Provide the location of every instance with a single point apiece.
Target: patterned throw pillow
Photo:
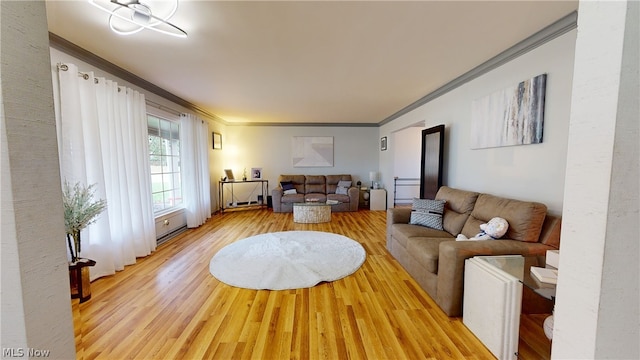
(287, 185)
(427, 213)
(290, 192)
(344, 183)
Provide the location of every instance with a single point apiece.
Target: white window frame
(176, 176)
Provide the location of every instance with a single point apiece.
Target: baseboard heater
(168, 236)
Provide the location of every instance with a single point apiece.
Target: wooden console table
(247, 201)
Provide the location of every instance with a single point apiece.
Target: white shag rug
(287, 260)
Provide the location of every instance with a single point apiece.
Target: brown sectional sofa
(436, 260)
(317, 187)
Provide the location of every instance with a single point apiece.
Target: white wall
(530, 172)
(355, 150)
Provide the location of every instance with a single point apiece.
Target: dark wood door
(432, 161)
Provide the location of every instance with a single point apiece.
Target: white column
(598, 285)
(36, 306)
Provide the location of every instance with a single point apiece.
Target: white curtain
(196, 187)
(102, 139)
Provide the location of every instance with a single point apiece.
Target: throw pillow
(340, 190)
(290, 192)
(425, 212)
(287, 185)
(344, 184)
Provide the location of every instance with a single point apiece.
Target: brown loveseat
(317, 188)
(436, 260)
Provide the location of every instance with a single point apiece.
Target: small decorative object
(383, 143)
(493, 230)
(244, 174)
(256, 173)
(217, 141)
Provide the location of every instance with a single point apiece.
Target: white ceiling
(309, 62)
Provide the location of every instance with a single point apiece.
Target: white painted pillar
(36, 306)
(597, 308)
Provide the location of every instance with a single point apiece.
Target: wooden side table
(79, 279)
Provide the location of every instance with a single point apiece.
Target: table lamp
(373, 176)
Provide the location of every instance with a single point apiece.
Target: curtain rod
(65, 67)
(163, 108)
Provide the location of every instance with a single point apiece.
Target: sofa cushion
(317, 197)
(339, 197)
(426, 250)
(459, 205)
(289, 199)
(525, 218)
(315, 184)
(425, 212)
(402, 232)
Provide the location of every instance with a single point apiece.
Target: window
(164, 156)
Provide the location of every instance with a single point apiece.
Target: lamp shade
(373, 175)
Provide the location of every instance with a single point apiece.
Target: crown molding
(310, 124)
(76, 51)
(558, 28)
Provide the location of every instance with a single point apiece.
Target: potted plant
(80, 211)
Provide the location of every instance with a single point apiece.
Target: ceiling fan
(127, 17)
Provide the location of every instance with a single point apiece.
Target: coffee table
(312, 212)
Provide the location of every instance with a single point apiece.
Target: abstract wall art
(312, 151)
(512, 116)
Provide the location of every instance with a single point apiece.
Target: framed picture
(511, 116)
(229, 174)
(312, 151)
(256, 173)
(383, 143)
(217, 141)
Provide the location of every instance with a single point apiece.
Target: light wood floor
(168, 305)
